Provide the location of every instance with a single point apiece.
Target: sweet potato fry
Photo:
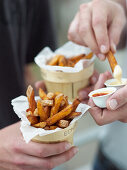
(73, 115)
(112, 60)
(64, 103)
(40, 125)
(63, 123)
(41, 112)
(31, 100)
(33, 119)
(75, 104)
(47, 110)
(35, 112)
(55, 108)
(70, 63)
(42, 94)
(50, 127)
(77, 58)
(89, 56)
(47, 102)
(50, 96)
(62, 61)
(60, 115)
(54, 60)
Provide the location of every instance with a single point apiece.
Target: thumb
(118, 99)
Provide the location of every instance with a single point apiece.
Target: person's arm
(16, 154)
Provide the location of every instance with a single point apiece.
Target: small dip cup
(111, 83)
(100, 96)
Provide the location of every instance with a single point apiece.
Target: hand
(83, 93)
(40, 84)
(15, 154)
(98, 25)
(116, 104)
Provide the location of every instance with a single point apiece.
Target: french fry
(47, 110)
(62, 61)
(36, 112)
(75, 104)
(42, 94)
(64, 103)
(89, 56)
(63, 123)
(77, 58)
(73, 115)
(54, 60)
(112, 60)
(40, 125)
(60, 115)
(41, 112)
(50, 96)
(55, 108)
(33, 119)
(30, 97)
(70, 63)
(50, 127)
(47, 102)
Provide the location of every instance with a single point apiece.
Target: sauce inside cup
(99, 94)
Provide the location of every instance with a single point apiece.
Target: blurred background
(87, 133)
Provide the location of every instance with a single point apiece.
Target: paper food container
(67, 80)
(20, 104)
(60, 136)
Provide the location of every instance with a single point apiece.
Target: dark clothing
(25, 28)
(103, 163)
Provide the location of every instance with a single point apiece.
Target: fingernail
(94, 80)
(113, 104)
(113, 46)
(101, 56)
(83, 94)
(103, 49)
(68, 146)
(76, 150)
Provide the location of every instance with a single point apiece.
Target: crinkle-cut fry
(63, 123)
(60, 115)
(112, 60)
(50, 127)
(40, 125)
(89, 56)
(30, 97)
(41, 112)
(33, 119)
(42, 94)
(77, 58)
(62, 61)
(47, 110)
(73, 115)
(54, 61)
(47, 102)
(50, 96)
(70, 63)
(55, 108)
(75, 104)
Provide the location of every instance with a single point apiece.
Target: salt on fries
(61, 60)
(52, 110)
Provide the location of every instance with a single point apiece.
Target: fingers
(40, 84)
(85, 28)
(64, 157)
(118, 99)
(102, 78)
(42, 150)
(99, 24)
(94, 77)
(73, 32)
(83, 93)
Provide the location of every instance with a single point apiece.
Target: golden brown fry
(33, 119)
(54, 60)
(63, 123)
(40, 125)
(31, 100)
(89, 56)
(62, 61)
(112, 60)
(64, 103)
(75, 104)
(47, 110)
(50, 127)
(73, 115)
(47, 102)
(70, 63)
(50, 96)
(60, 115)
(55, 108)
(35, 112)
(41, 112)
(42, 94)
(77, 58)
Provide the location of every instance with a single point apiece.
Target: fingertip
(75, 150)
(104, 49)
(101, 57)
